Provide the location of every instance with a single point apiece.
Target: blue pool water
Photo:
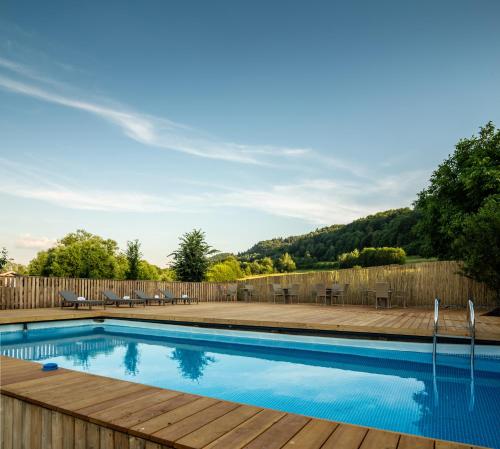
(387, 385)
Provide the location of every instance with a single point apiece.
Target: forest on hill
(392, 228)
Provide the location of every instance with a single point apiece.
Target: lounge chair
(69, 298)
(113, 298)
(167, 294)
(150, 299)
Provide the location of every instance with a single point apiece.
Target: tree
(228, 270)
(479, 244)
(79, 255)
(191, 260)
(392, 228)
(4, 258)
(133, 254)
(459, 209)
(285, 264)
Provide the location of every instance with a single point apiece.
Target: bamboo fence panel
(420, 284)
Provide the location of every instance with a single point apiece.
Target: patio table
(247, 294)
(286, 293)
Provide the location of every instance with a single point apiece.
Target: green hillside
(390, 228)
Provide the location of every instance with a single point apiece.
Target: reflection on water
(400, 395)
(131, 359)
(191, 362)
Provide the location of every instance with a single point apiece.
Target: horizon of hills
(393, 228)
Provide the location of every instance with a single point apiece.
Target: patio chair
(69, 298)
(293, 293)
(232, 292)
(276, 291)
(321, 293)
(339, 291)
(365, 293)
(248, 292)
(150, 299)
(382, 292)
(169, 296)
(221, 292)
(113, 298)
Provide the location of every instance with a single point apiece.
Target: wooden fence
(419, 283)
(32, 292)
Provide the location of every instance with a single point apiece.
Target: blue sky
(248, 119)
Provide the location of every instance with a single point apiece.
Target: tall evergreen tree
(133, 254)
(191, 259)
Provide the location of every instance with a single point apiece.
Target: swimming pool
(388, 385)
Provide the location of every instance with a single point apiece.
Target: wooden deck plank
(123, 401)
(243, 434)
(279, 433)
(346, 436)
(133, 419)
(450, 445)
(312, 435)
(123, 406)
(174, 415)
(192, 423)
(414, 442)
(379, 439)
(213, 430)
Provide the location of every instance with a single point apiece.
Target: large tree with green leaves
(459, 211)
(79, 254)
(191, 259)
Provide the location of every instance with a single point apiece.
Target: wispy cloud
(146, 129)
(28, 241)
(317, 201)
(29, 182)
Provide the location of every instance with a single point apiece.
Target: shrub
(285, 264)
(348, 260)
(228, 270)
(371, 257)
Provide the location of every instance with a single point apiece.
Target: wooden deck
(351, 319)
(174, 419)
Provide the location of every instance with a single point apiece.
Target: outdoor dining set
(382, 295)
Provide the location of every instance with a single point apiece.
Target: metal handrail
(472, 331)
(434, 348)
(472, 328)
(436, 326)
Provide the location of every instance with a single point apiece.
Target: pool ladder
(471, 322)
